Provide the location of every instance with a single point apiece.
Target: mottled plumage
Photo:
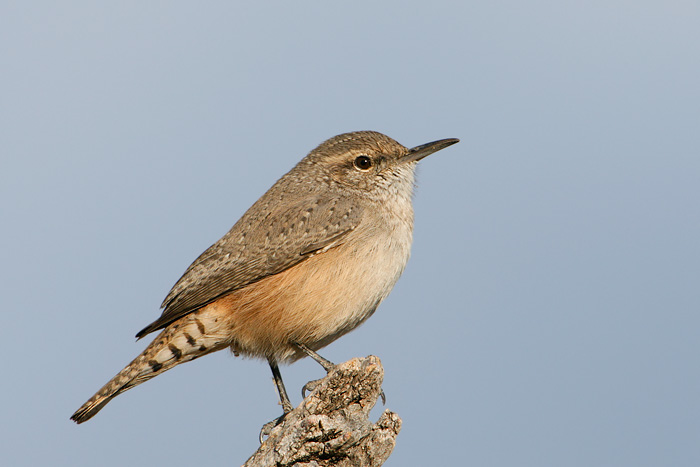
(308, 262)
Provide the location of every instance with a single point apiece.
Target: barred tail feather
(180, 342)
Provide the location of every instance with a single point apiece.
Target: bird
(308, 262)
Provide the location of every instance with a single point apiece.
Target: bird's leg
(284, 400)
(327, 365)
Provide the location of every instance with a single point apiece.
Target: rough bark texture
(331, 426)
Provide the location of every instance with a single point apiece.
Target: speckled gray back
(310, 209)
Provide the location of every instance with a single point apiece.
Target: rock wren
(309, 262)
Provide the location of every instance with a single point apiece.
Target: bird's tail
(180, 342)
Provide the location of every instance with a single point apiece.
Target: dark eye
(362, 163)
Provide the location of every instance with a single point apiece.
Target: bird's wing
(256, 248)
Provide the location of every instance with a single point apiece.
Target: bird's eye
(362, 163)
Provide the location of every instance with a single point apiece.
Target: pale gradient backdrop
(550, 313)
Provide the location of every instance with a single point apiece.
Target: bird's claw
(310, 386)
(269, 426)
(383, 396)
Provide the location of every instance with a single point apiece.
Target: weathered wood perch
(331, 427)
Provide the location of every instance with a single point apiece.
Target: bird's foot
(269, 426)
(310, 386)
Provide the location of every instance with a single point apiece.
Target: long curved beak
(419, 152)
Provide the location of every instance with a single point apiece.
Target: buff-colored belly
(312, 303)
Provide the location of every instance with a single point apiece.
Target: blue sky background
(550, 313)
